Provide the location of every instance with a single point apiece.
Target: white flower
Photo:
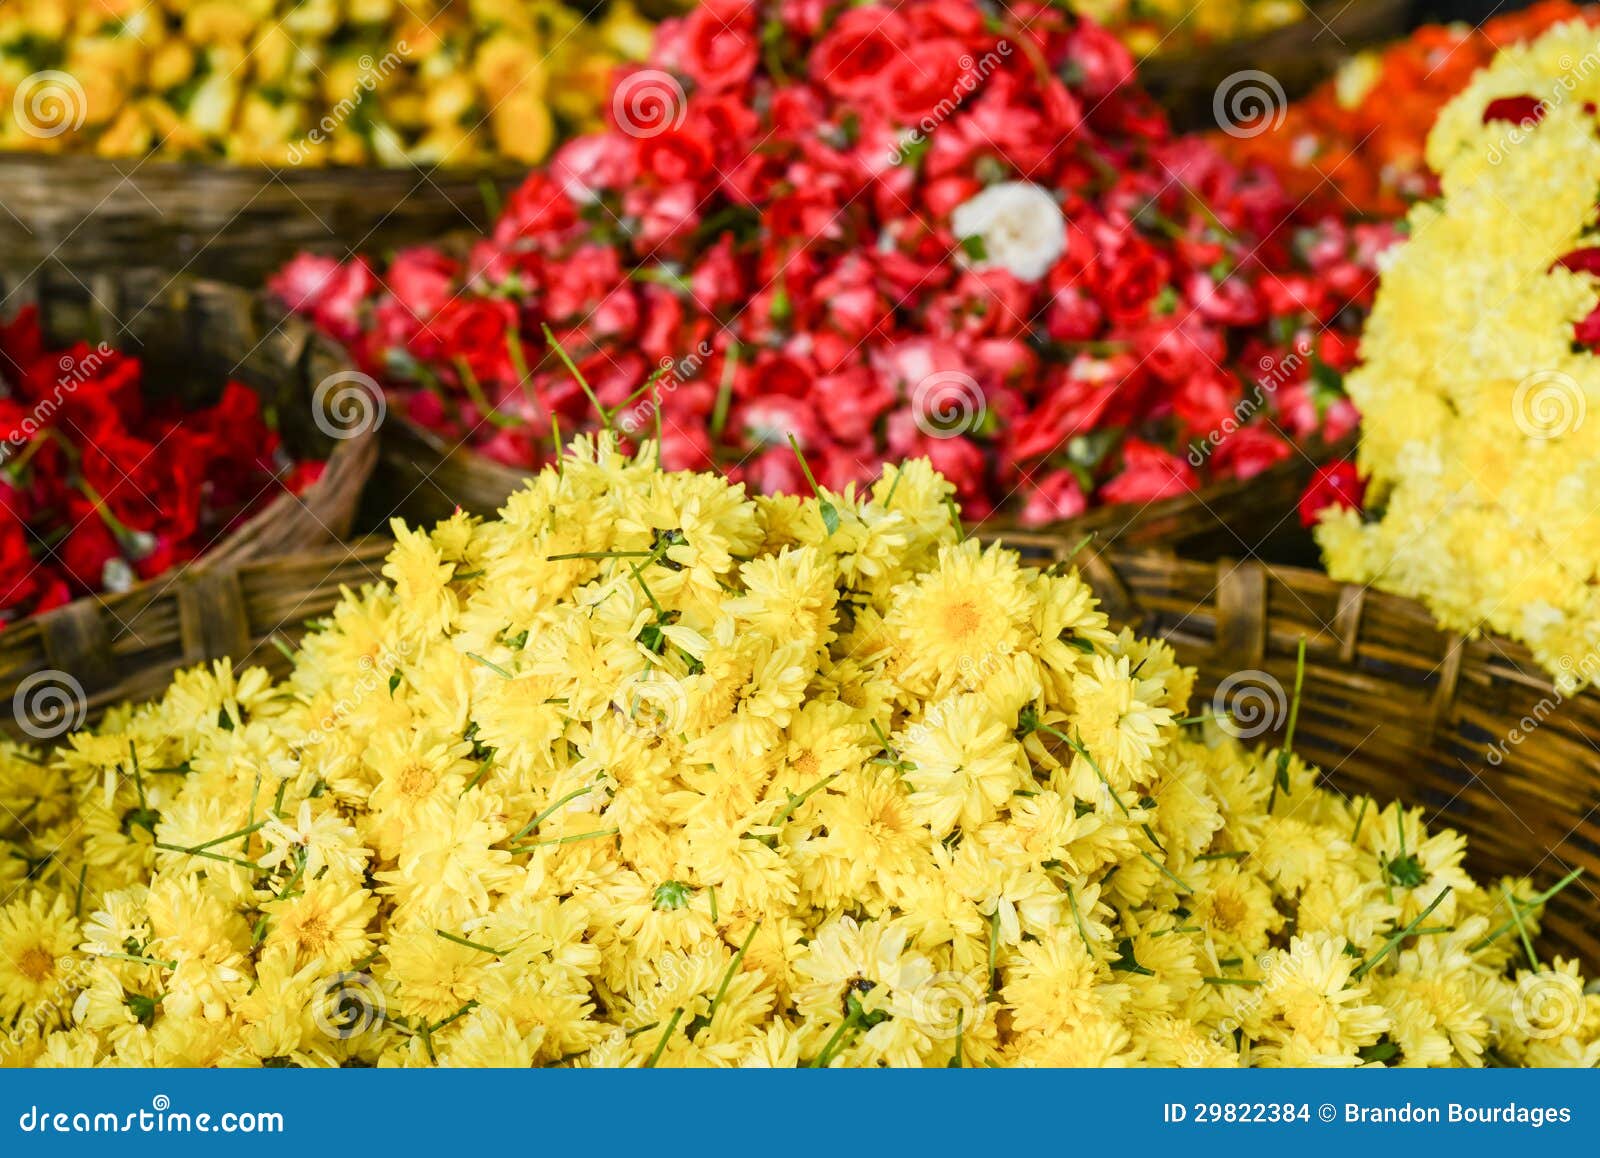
(1020, 225)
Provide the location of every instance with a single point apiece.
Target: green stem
(1388, 946)
(666, 1036)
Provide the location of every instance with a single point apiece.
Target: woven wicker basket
(1391, 705)
(193, 337)
(193, 615)
(226, 221)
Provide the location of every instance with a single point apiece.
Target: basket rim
(13, 160)
(1308, 456)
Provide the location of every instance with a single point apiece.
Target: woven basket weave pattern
(192, 337)
(1391, 705)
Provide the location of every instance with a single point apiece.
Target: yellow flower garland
(308, 82)
(1479, 428)
(649, 772)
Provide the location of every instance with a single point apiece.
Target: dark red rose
(149, 487)
(1131, 281)
(471, 331)
(1522, 110)
(88, 546)
(1338, 484)
(19, 581)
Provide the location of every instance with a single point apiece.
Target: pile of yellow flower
(307, 82)
(650, 772)
(1158, 27)
(1477, 432)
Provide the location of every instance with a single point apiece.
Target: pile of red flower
(101, 485)
(934, 229)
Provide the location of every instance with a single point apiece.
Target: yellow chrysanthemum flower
(647, 772)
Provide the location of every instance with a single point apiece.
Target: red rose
(674, 155)
(53, 592)
(540, 205)
(1246, 453)
(1099, 64)
(303, 281)
(1526, 111)
(1130, 281)
(1074, 315)
(1052, 498)
(854, 58)
(1072, 405)
(1148, 474)
(19, 580)
(473, 331)
(422, 279)
(851, 402)
(330, 292)
(926, 79)
(303, 476)
(1336, 485)
(148, 487)
(89, 545)
(21, 339)
(719, 46)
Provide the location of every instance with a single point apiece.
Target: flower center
(36, 963)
